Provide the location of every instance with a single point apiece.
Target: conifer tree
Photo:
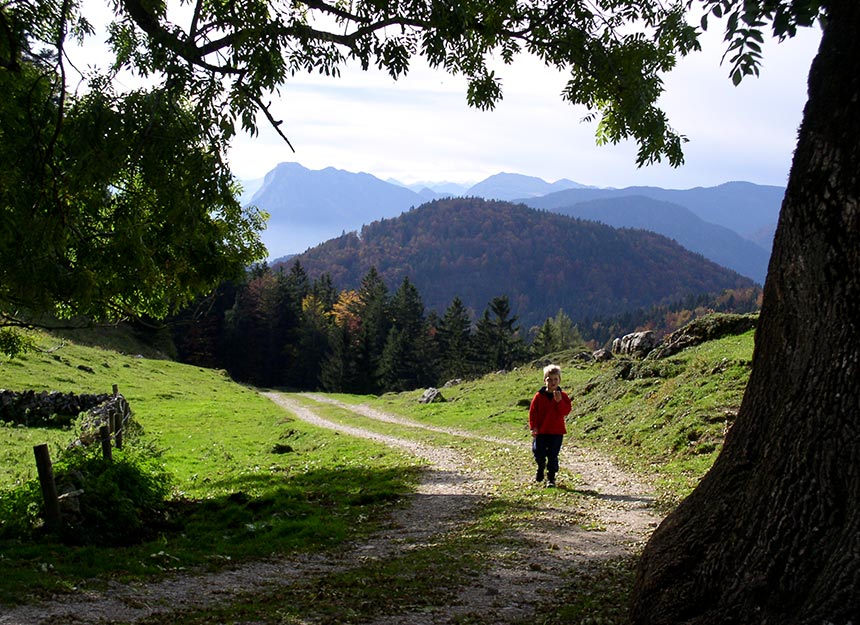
(312, 344)
(323, 290)
(337, 372)
(251, 354)
(566, 332)
(498, 340)
(546, 341)
(403, 365)
(373, 303)
(291, 288)
(457, 353)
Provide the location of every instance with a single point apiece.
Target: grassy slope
(664, 419)
(238, 498)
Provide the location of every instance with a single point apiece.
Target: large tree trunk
(772, 533)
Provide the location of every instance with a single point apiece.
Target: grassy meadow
(219, 441)
(664, 419)
(250, 481)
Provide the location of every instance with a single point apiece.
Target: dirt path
(449, 491)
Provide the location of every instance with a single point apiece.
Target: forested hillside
(543, 262)
(717, 243)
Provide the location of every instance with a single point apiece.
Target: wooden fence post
(116, 418)
(104, 434)
(118, 433)
(49, 487)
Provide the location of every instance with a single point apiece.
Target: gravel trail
(448, 494)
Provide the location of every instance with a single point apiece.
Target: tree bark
(772, 533)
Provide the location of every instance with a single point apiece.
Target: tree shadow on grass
(305, 509)
(257, 516)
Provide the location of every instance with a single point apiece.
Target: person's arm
(534, 417)
(565, 405)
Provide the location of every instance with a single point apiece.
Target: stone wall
(45, 408)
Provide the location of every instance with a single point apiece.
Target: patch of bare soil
(511, 588)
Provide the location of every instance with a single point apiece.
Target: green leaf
(737, 77)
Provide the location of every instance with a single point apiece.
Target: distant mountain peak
(508, 186)
(308, 207)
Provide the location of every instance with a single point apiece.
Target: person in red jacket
(549, 407)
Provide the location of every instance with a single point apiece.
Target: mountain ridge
(510, 186)
(308, 207)
(717, 243)
(478, 249)
(741, 206)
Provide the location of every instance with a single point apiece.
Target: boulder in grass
(430, 396)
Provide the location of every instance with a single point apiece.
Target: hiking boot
(550, 484)
(551, 480)
(539, 475)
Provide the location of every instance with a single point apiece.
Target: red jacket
(547, 415)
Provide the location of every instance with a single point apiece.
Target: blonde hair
(550, 369)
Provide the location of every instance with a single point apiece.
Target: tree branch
(327, 8)
(275, 123)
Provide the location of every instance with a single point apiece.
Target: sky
(420, 127)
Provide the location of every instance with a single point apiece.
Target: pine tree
(337, 373)
(291, 288)
(312, 344)
(403, 359)
(324, 291)
(497, 336)
(457, 354)
(546, 340)
(566, 333)
(373, 331)
(250, 353)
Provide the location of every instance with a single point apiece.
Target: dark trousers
(545, 448)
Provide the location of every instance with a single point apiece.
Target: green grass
(232, 493)
(665, 419)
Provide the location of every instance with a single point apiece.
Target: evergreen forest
(280, 328)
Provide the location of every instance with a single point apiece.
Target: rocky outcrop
(707, 328)
(431, 395)
(635, 343)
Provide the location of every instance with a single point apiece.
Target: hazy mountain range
(750, 210)
(731, 224)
